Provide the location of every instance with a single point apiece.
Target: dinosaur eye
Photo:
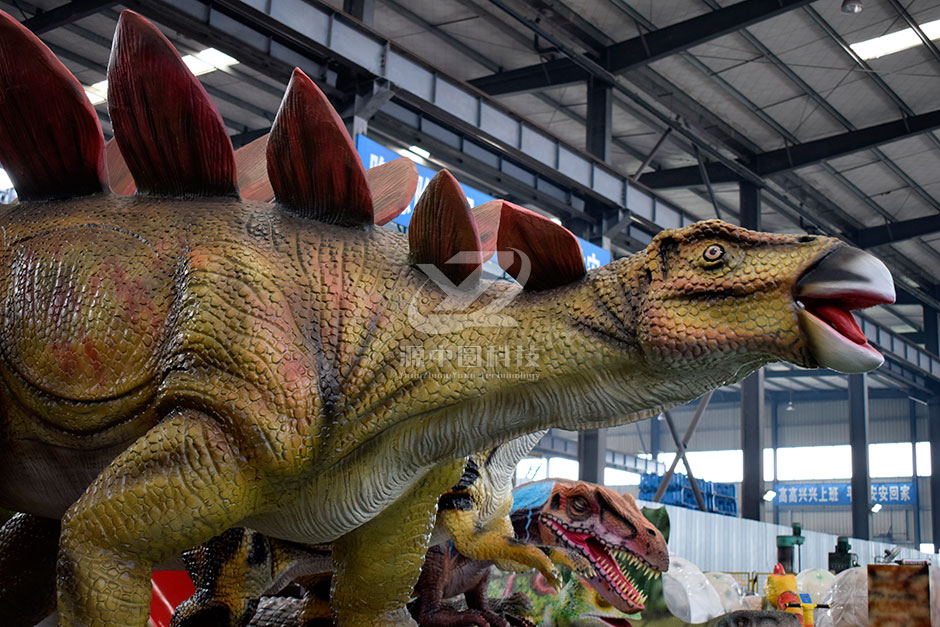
(713, 253)
(579, 507)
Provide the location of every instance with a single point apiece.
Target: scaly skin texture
(232, 571)
(222, 362)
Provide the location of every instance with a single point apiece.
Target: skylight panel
(895, 42)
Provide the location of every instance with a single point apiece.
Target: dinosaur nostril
(806, 239)
(651, 531)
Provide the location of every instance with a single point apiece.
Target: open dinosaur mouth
(616, 569)
(843, 281)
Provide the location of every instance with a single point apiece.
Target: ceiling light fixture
(895, 42)
(421, 152)
(876, 508)
(770, 495)
(852, 6)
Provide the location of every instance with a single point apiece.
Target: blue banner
(373, 154)
(817, 494)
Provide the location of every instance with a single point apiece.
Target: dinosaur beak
(844, 280)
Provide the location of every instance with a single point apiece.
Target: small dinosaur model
(188, 359)
(600, 534)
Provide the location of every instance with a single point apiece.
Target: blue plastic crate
(650, 481)
(724, 489)
(725, 505)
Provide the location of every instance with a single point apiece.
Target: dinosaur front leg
(377, 564)
(177, 486)
(28, 547)
(495, 540)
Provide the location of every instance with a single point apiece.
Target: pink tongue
(842, 321)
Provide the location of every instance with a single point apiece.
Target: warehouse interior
(620, 118)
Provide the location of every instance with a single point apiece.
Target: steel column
(599, 108)
(858, 438)
(592, 446)
(912, 412)
(752, 391)
(752, 424)
(362, 10)
(750, 195)
(775, 445)
(931, 329)
(655, 437)
(933, 419)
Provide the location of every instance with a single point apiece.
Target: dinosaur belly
(84, 310)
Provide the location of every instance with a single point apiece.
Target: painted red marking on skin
(65, 357)
(94, 358)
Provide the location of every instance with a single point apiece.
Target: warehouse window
(723, 466)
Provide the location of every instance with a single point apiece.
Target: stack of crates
(719, 497)
(723, 499)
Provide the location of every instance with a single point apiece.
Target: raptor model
(186, 360)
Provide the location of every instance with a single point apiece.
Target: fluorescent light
(876, 508)
(216, 58)
(421, 152)
(197, 66)
(770, 495)
(895, 42)
(5, 182)
(97, 93)
(203, 62)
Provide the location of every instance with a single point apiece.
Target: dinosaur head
(623, 548)
(715, 293)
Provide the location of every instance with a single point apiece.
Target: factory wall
(812, 422)
(714, 542)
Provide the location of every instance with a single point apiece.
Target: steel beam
(641, 50)
(65, 14)
(800, 155)
(699, 410)
(933, 419)
(592, 446)
(858, 438)
(896, 231)
(680, 454)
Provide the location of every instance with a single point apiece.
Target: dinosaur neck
(567, 358)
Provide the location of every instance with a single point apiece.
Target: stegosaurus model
(185, 360)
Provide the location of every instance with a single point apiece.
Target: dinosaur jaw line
(844, 280)
(609, 579)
